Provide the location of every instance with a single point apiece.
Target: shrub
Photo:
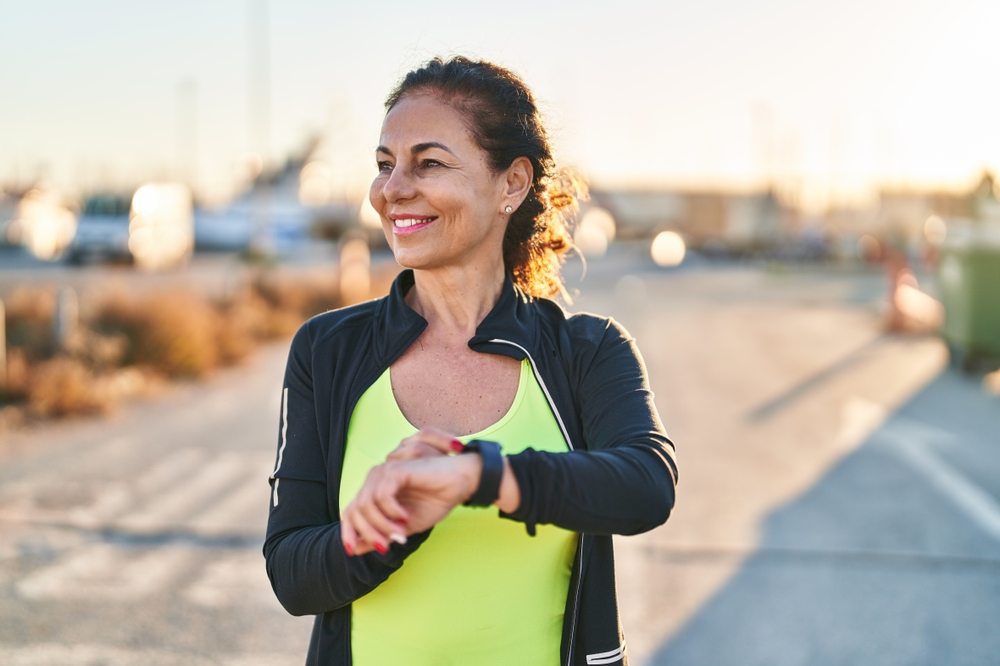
(29, 313)
(174, 332)
(62, 386)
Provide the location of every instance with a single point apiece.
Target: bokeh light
(602, 219)
(594, 232)
(869, 248)
(935, 230)
(668, 249)
(161, 229)
(43, 225)
(590, 241)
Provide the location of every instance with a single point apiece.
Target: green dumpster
(969, 277)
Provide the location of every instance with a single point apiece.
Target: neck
(454, 300)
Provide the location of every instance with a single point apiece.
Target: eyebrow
(419, 148)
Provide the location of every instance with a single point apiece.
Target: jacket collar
(512, 320)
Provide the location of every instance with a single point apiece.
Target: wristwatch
(489, 481)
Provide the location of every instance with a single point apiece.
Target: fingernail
(402, 521)
(399, 538)
(348, 550)
(381, 549)
(457, 446)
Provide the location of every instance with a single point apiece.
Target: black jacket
(617, 478)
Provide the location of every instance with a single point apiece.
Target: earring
(508, 209)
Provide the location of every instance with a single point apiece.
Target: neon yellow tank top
(479, 590)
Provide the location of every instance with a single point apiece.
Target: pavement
(137, 540)
(839, 497)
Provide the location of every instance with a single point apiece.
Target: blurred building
(712, 220)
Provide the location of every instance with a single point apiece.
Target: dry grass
(173, 332)
(129, 341)
(63, 386)
(29, 313)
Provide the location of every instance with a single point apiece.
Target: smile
(411, 223)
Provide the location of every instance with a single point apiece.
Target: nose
(399, 186)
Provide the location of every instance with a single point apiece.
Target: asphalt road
(839, 498)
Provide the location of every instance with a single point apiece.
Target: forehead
(424, 118)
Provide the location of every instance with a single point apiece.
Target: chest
(453, 388)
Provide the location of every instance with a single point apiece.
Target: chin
(416, 259)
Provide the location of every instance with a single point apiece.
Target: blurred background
(793, 209)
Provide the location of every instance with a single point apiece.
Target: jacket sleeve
(623, 483)
(306, 563)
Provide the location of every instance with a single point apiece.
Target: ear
(518, 179)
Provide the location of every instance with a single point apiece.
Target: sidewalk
(892, 557)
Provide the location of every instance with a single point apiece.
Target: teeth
(410, 222)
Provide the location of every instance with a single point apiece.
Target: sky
(830, 100)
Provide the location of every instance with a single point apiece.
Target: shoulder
(581, 328)
(335, 325)
(584, 336)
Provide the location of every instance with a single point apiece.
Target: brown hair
(505, 122)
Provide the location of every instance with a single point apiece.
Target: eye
(384, 167)
(430, 163)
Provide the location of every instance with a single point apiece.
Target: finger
(348, 536)
(366, 531)
(363, 548)
(388, 526)
(397, 515)
(352, 542)
(411, 449)
(440, 440)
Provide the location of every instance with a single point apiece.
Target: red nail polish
(348, 550)
(457, 446)
(381, 549)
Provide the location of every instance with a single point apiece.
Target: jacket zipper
(569, 443)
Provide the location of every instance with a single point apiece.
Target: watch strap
(489, 481)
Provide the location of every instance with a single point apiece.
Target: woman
(376, 525)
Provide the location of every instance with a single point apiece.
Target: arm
(306, 563)
(626, 486)
(624, 483)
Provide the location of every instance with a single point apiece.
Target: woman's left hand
(427, 442)
(406, 496)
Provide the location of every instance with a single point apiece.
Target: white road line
(189, 497)
(53, 654)
(168, 469)
(910, 443)
(242, 510)
(113, 499)
(104, 571)
(233, 579)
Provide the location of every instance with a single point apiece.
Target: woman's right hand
(368, 524)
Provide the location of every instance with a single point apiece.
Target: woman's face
(439, 200)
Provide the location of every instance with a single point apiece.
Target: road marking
(105, 571)
(170, 510)
(233, 579)
(908, 440)
(169, 469)
(53, 654)
(242, 510)
(113, 499)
